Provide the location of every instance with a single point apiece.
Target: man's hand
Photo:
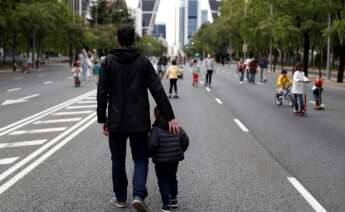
(105, 129)
(174, 127)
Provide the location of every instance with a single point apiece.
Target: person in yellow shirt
(283, 83)
(172, 74)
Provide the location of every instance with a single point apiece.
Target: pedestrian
(253, 66)
(84, 64)
(317, 92)
(77, 72)
(122, 93)
(209, 66)
(246, 64)
(241, 69)
(298, 90)
(166, 150)
(196, 72)
(90, 63)
(95, 71)
(172, 74)
(263, 63)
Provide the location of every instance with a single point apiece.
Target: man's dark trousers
(167, 181)
(138, 144)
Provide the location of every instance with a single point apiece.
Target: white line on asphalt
(70, 77)
(48, 82)
(219, 101)
(87, 102)
(18, 78)
(202, 82)
(208, 89)
(260, 83)
(76, 129)
(239, 123)
(28, 120)
(54, 121)
(72, 113)
(23, 143)
(91, 98)
(306, 195)
(81, 107)
(14, 89)
(6, 161)
(47, 130)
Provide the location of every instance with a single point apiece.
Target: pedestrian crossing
(40, 134)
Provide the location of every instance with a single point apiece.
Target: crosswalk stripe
(81, 107)
(72, 113)
(54, 121)
(90, 98)
(23, 143)
(21, 132)
(87, 102)
(6, 161)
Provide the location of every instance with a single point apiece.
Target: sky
(166, 14)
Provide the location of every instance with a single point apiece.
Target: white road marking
(21, 100)
(208, 89)
(75, 130)
(14, 89)
(23, 143)
(306, 195)
(36, 131)
(30, 119)
(18, 78)
(202, 82)
(54, 121)
(72, 113)
(239, 123)
(48, 82)
(260, 83)
(91, 98)
(87, 102)
(6, 161)
(81, 107)
(219, 101)
(70, 77)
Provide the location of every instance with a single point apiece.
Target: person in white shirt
(298, 89)
(209, 66)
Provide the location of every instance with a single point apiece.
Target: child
(95, 71)
(196, 72)
(77, 73)
(317, 89)
(166, 150)
(172, 74)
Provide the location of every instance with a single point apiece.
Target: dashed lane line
(48, 82)
(208, 89)
(241, 125)
(23, 143)
(72, 113)
(219, 101)
(14, 89)
(75, 130)
(37, 131)
(6, 161)
(55, 121)
(81, 107)
(306, 195)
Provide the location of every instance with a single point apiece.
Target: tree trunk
(274, 62)
(14, 44)
(70, 55)
(306, 53)
(340, 76)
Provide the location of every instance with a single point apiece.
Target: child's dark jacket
(165, 147)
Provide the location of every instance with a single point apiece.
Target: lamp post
(271, 41)
(329, 47)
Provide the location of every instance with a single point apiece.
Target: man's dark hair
(173, 62)
(126, 35)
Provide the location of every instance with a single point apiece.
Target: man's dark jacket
(124, 81)
(165, 147)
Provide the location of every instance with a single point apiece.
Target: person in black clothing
(124, 81)
(166, 150)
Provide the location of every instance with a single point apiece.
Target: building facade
(214, 6)
(160, 31)
(81, 8)
(149, 10)
(204, 16)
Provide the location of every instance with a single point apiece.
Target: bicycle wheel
(278, 100)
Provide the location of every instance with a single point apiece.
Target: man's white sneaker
(119, 204)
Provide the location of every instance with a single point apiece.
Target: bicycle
(284, 96)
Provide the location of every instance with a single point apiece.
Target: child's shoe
(166, 208)
(173, 204)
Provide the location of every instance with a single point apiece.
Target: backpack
(253, 64)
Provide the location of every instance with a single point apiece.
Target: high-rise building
(181, 22)
(160, 30)
(149, 10)
(81, 8)
(204, 16)
(214, 5)
(192, 18)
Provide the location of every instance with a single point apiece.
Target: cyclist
(283, 84)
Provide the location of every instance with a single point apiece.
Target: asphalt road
(246, 154)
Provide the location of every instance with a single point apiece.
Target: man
(263, 69)
(124, 80)
(209, 66)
